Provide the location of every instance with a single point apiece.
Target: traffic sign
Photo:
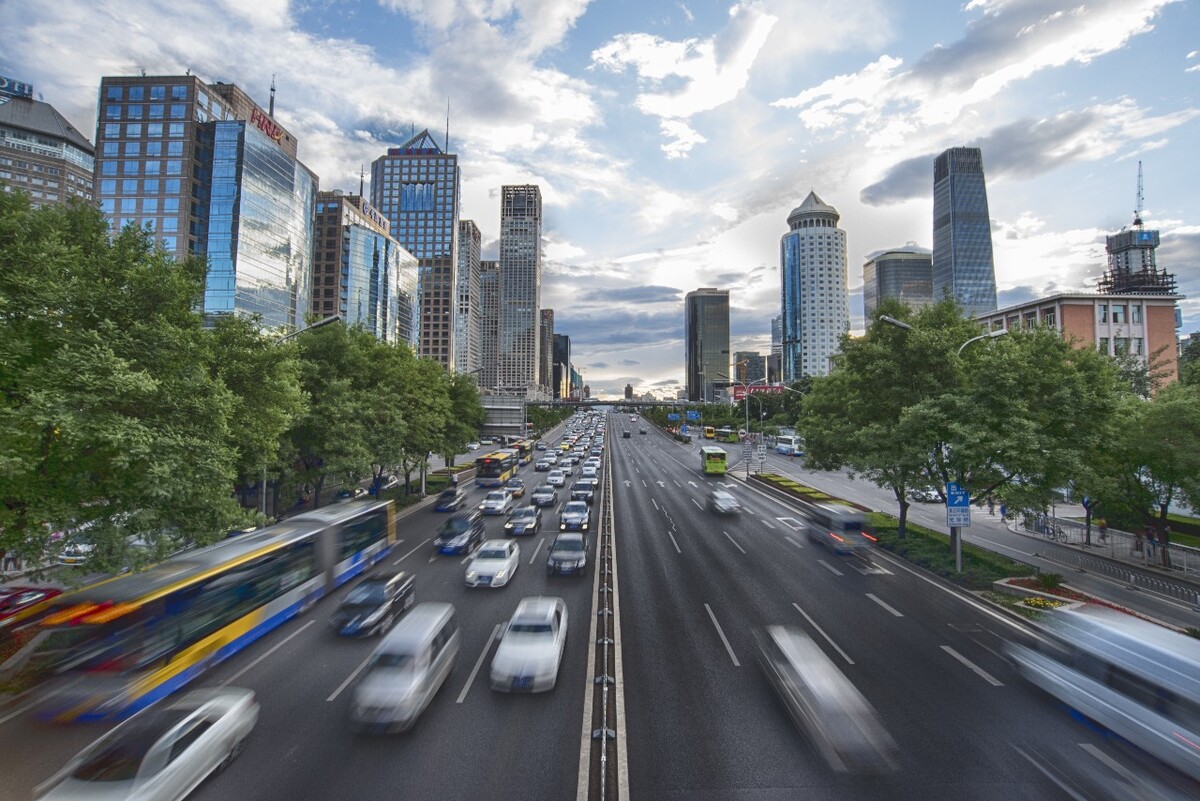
(958, 506)
(673, 416)
(683, 429)
(692, 414)
(957, 495)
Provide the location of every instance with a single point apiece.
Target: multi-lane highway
(701, 721)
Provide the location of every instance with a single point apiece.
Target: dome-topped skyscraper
(812, 270)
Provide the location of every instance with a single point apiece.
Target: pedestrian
(454, 479)
(1003, 512)
(10, 562)
(991, 505)
(1151, 542)
(1103, 530)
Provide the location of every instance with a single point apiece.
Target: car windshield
(544, 489)
(493, 553)
(530, 628)
(369, 593)
(495, 496)
(449, 494)
(393, 661)
(577, 507)
(455, 525)
(524, 512)
(572, 545)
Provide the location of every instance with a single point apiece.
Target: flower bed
(1039, 595)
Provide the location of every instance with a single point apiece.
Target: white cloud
(682, 138)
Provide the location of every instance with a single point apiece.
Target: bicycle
(1056, 534)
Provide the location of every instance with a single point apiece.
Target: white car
(163, 752)
(588, 471)
(494, 563)
(531, 646)
(472, 446)
(496, 502)
(556, 478)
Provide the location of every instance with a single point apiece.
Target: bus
(106, 651)
(709, 432)
(524, 449)
(842, 529)
(789, 445)
(496, 467)
(712, 460)
(1138, 679)
(726, 435)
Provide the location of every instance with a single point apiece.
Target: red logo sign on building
(266, 124)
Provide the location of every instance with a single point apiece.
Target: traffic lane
(456, 746)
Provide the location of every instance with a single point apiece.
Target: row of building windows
(1118, 313)
(139, 92)
(136, 130)
(149, 167)
(155, 111)
(150, 186)
(113, 149)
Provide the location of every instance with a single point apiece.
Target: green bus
(712, 460)
(726, 435)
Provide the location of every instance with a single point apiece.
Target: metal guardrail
(604, 772)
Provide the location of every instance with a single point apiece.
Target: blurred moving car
(163, 752)
(373, 605)
(575, 516)
(496, 502)
(641, 430)
(450, 499)
(531, 646)
(14, 599)
(541, 465)
(544, 495)
(541, 446)
(625, 434)
(494, 564)
(924, 496)
(556, 478)
(350, 494)
(568, 554)
(472, 446)
(460, 533)
(515, 487)
(823, 703)
(588, 471)
(842, 529)
(524, 520)
(723, 502)
(407, 669)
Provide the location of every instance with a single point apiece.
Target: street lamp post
(746, 399)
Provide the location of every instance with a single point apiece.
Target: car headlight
(471, 575)
(562, 525)
(508, 524)
(500, 575)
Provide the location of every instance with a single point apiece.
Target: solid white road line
(487, 647)
(795, 542)
(410, 553)
(821, 631)
(274, 648)
(731, 539)
(829, 567)
(698, 506)
(673, 542)
(677, 483)
(350, 678)
(884, 605)
(654, 502)
(1110, 763)
(749, 511)
(728, 647)
(767, 523)
(536, 548)
(980, 671)
(644, 484)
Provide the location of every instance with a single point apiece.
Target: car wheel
(232, 755)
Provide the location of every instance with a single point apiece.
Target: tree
(467, 415)
(109, 418)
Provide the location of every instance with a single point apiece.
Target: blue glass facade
(962, 234)
(813, 299)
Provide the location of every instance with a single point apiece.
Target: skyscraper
(903, 273)
(215, 176)
(546, 352)
(489, 324)
(40, 152)
(467, 320)
(360, 273)
(416, 186)
(749, 366)
(815, 308)
(562, 366)
(520, 287)
(706, 341)
(962, 232)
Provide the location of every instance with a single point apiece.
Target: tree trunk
(1087, 525)
(317, 491)
(1164, 535)
(902, 499)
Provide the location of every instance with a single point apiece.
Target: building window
(1120, 345)
(179, 93)
(158, 93)
(1135, 312)
(113, 93)
(137, 93)
(1102, 346)
(1136, 345)
(1104, 312)
(1118, 313)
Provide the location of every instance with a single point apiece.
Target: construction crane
(1137, 212)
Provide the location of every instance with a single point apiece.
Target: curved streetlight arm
(999, 332)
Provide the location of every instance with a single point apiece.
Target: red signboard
(739, 391)
(266, 124)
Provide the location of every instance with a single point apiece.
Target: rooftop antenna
(360, 179)
(1137, 211)
(271, 110)
(447, 124)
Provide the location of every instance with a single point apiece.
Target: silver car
(531, 647)
(496, 502)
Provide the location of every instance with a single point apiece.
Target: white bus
(789, 445)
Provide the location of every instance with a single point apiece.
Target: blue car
(460, 534)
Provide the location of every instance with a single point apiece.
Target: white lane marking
(350, 678)
(829, 567)
(821, 631)
(536, 548)
(731, 539)
(673, 542)
(638, 469)
(978, 670)
(750, 511)
(791, 522)
(767, 523)
(20, 711)
(410, 553)
(655, 503)
(884, 605)
(273, 649)
(644, 484)
(487, 647)
(795, 542)
(677, 483)
(728, 647)
(698, 506)
(1110, 763)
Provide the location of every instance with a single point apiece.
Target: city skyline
(670, 139)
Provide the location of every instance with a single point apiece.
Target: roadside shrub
(1050, 581)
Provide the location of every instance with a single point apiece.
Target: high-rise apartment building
(815, 307)
(360, 272)
(520, 287)
(416, 186)
(706, 342)
(546, 352)
(467, 315)
(749, 366)
(962, 232)
(489, 324)
(41, 153)
(562, 366)
(903, 273)
(214, 176)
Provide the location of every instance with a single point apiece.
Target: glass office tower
(814, 301)
(706, 338)
(962, 232)
(903, 273)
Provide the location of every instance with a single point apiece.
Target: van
(407, 669)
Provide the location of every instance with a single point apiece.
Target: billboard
(15, 88)
(739, 391)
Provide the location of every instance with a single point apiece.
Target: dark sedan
(568, 555)
(450, 500)
(525, 520)
(373, 605)
(544, 495)
(461, 533)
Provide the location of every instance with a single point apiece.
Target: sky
(671, 138)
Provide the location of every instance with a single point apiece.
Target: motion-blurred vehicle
(575, 516)
(531, 646)
(407, 669)
(494, 564)
(924, 496)
(473, 446)
(541, 446)
(14, 598)
(839, 528)
(723, 502)
(568, 555)
(641, 431)
(1138, 679)
(460, 533)
(823, 703)
(544, 495)
(515, 487)
(350, 494)
(524, 520)
(496, 502)
(373, 605)
(163, 752)
(450, 499)
(556, 478)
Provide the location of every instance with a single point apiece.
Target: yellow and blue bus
(712, 460)
(118, 646)
(709, 432)
(495, 468)
(524, 450)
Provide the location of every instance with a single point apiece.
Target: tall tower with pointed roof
(812, 269)
(416, 186)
